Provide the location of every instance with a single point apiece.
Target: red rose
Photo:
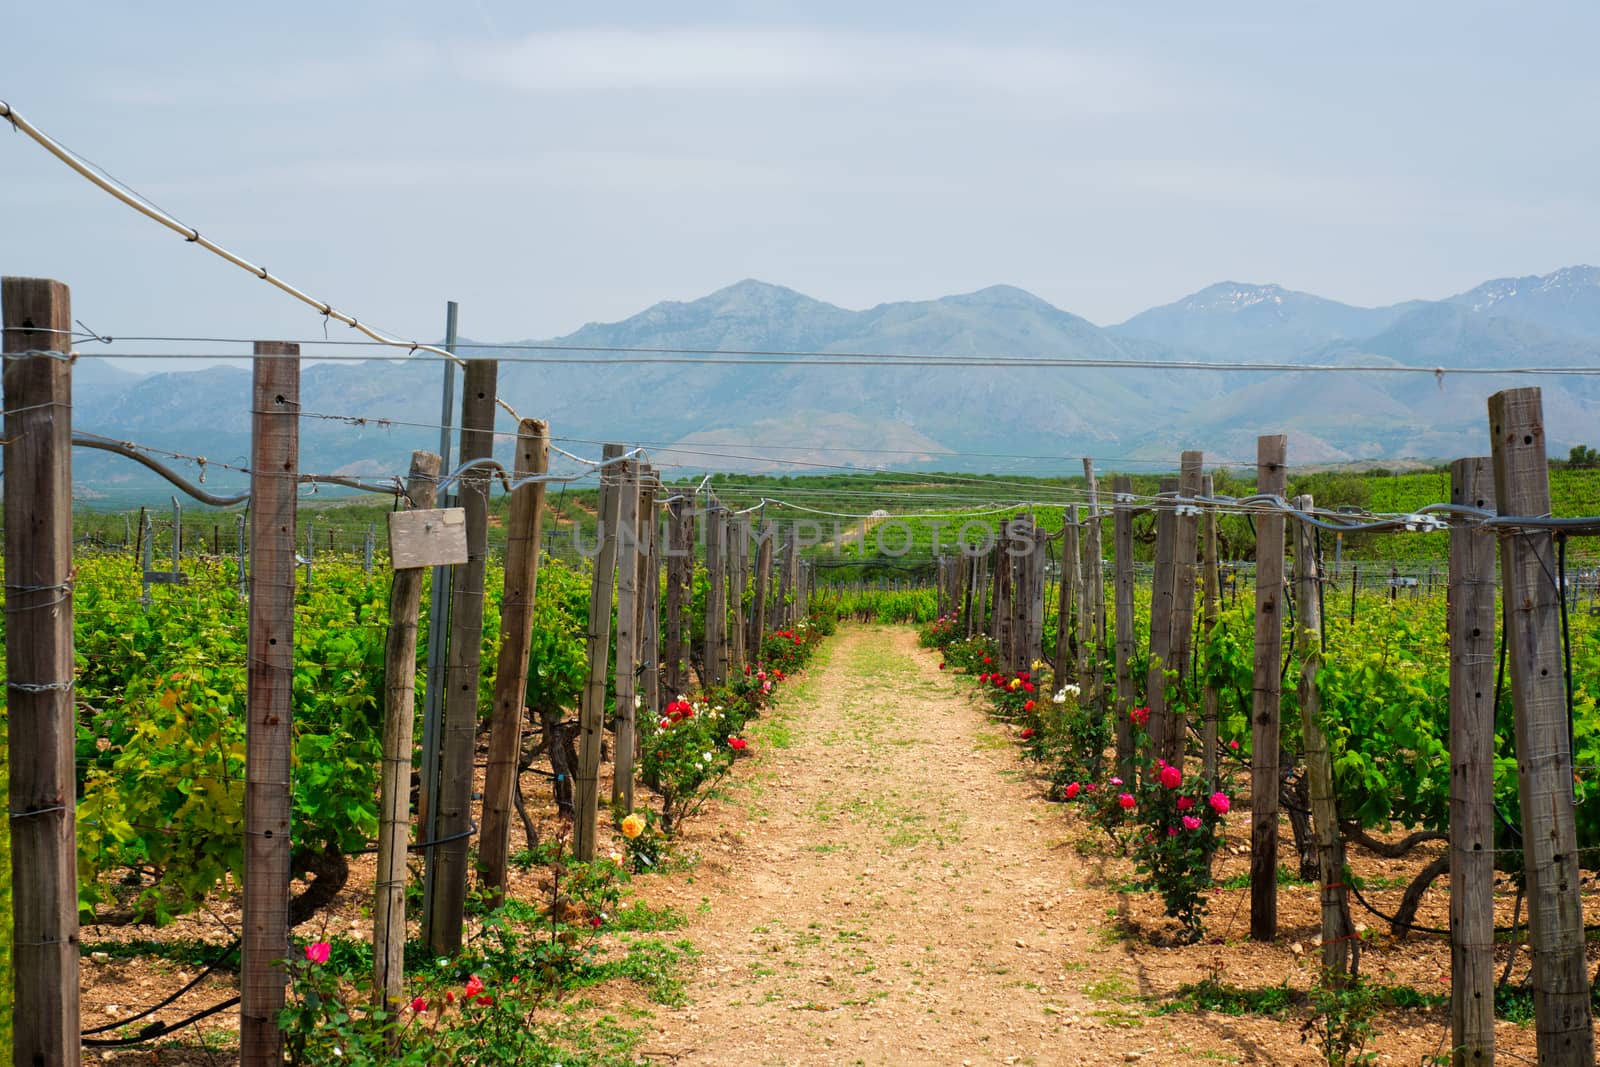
(1028, 707)
(1072, 790)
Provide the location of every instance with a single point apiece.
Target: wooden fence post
(1186, 538)
(269, 704)
(1341, 952)
(649, 594)
(524, 531)
(1212, 595)
(791, 575)
(592, 715)
(1544, 754)
(1065, 598)
(760, 616)
(716, 628)
(738, 573)
(680, 572)
(1162, 602)
(445, 914)
(39, 671)
(622, 726)
(1271, 476)
(1122, 587)
(1094, 591)
(786, 590)
(394, 788)
(1472, 670)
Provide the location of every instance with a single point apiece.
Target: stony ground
(885, 883)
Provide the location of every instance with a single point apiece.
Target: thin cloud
(728, 58)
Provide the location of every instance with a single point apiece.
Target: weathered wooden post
(622, 727)
(716, 628)
(445, 912)
(1212, 595)
(1094, 590)
(1186, 535)
(592, 715)
(1162, 599)
(269, 705)
(39, 671)
(680, 569)
(1065, 599)
(762, 614)
(1544, 755)
(524, 530)
(649, 594)
(1271, 476)
(738, 573)
(793, 611)
(1341, 952)
(1122, 587)
(399, 719)
(1472, 670)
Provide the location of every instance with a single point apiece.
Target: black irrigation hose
(1414, 927)
(213, 965)
(155, 1030)
(421, 845)
(1499, 688)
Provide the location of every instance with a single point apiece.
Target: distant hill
(366, 417)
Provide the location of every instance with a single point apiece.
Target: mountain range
(786, 418)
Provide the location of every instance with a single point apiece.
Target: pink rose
(1171, 777)
(1126, 800)
(1219, 803)
(1185, 803)
(318, 952)
(1190, 822)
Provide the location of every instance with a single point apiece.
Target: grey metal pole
(438, 634)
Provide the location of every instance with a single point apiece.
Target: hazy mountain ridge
(845, 411)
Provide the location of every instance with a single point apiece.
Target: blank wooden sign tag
(433, 537)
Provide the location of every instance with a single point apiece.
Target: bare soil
(885, 883)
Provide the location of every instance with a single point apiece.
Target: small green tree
(1582, 457)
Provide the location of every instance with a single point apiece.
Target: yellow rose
(632, 826)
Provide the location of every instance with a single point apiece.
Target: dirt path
(889, 887)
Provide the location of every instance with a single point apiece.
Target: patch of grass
(187, 951)
(653, 965)
(641, 917)
(777, 733)
(1285, 877)
(1110, 988)
(1209, 994)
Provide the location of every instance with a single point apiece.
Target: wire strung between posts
(148, 208)
(626, 356)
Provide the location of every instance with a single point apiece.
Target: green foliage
(1343, 1020)
(1177, 830)
(558, 661)
(487, 1004)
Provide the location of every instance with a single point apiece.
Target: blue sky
(548, 165)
